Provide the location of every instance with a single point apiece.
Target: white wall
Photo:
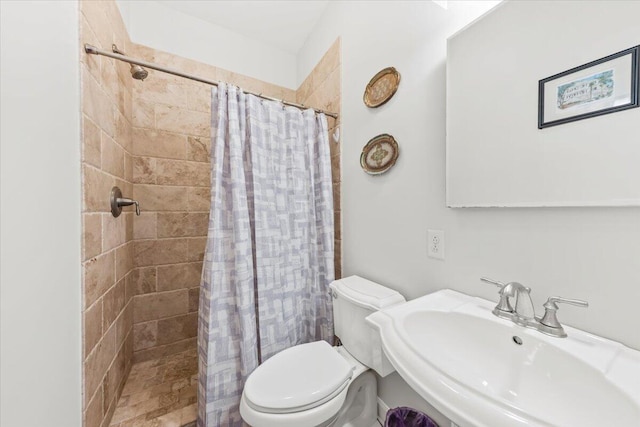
(40, 348)
(574, 164)
(586, 253)
(152, 24)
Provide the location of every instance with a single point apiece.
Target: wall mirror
(496, 154)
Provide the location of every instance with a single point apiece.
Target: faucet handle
(550, 318)
(551, 302)
(493, 282)
(503, 285)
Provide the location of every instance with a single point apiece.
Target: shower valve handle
(128, 202)
(117, 202)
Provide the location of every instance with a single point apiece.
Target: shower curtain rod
(90, 49)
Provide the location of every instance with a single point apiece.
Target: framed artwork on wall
(603, 86)
(496, 154)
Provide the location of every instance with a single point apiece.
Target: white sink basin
(462, 359)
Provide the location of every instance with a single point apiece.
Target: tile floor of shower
(160, 393)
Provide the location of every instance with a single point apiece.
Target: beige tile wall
(322, 89)
(107, 241)
(171, 176)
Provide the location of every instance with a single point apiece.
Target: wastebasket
(408, 417)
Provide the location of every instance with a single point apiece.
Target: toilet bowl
(317, 385)
(309, 385)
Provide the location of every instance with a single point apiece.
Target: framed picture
(603, 86)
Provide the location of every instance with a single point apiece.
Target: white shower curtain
(269, 256)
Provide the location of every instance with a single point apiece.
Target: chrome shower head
(138, 73)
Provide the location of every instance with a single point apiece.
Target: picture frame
(606, 85)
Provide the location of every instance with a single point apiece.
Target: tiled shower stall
(141, 274)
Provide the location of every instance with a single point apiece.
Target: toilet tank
(354, 298)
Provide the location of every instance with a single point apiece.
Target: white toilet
(316, 385)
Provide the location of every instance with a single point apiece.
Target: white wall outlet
(435, 240)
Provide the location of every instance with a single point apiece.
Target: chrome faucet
(524, 313)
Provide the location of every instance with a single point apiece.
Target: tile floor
(160, 393)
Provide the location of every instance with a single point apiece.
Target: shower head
(138, 73)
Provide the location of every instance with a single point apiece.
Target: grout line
(168, 317)
(115, 356)
(89, 308)
(86, 117)
(174, 185)
(106, 252)
(102, 133)
(85, 405)
(165, 265)
(171, 159)
(104, 172)
(169, 131)
(172, 238)
(100, 88)
(177, 212)
(163, 345)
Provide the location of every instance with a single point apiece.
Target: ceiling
(282, 24)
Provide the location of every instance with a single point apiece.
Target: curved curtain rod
(90, 49)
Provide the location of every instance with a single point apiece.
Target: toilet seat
(324, 411)
(298, 379)
(322, 415)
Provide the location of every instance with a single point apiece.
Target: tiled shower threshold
(160, 393)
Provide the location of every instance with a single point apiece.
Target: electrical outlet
(435, 240)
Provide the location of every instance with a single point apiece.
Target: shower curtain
(269, 255)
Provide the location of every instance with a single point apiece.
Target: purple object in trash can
(408, 417)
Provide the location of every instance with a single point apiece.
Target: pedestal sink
(482, 371)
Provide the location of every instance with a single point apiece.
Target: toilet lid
(298, 378)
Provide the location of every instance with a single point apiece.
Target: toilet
(317, 385)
